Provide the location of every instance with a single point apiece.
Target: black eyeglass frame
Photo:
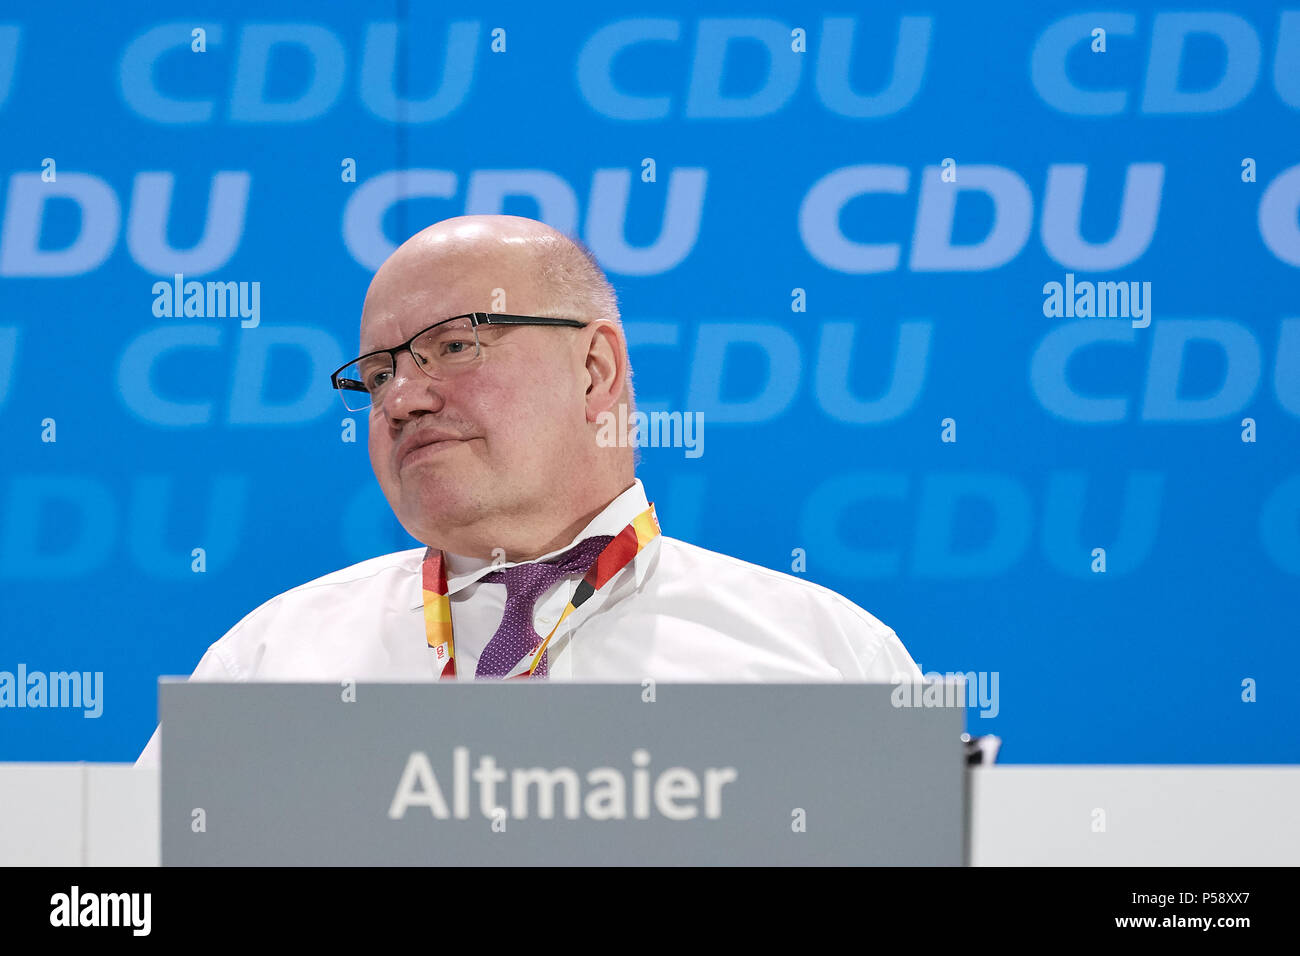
(476, 319)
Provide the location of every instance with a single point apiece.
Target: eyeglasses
(441, 351)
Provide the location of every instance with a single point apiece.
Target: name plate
(558, 773)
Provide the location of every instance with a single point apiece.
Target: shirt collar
(463, 571)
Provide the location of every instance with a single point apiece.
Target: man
(489, 434)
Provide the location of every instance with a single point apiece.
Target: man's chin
(430, 512)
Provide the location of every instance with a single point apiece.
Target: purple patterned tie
(525, 583)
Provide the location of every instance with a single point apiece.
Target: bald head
(571, 282)
(504, 453)
(531, 259)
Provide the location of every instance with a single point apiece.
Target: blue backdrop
(831, 232)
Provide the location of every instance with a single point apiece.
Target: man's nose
(411, 390)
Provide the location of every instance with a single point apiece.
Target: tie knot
(535, 577)
(525, 583)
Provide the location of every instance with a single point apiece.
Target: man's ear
(606, 368)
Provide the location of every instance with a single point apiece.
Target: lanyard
(617, 555)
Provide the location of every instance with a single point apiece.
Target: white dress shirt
(676, 613)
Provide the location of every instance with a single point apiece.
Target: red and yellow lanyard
(615, 556)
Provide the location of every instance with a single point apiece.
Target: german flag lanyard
(617, 555)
